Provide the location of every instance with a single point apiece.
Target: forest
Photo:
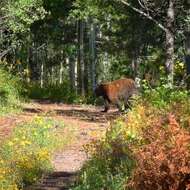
(54, 54)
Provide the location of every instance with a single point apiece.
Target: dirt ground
(85, 120)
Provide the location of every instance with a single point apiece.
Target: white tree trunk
(170, 42)
(61, 73)
(42, 76)
(72, 73)
(52, 75)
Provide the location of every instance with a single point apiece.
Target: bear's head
(98, 90)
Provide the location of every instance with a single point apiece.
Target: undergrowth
(58, 93)
(26, 154)
(146, 149)
(10, 92)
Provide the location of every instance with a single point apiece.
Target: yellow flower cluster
(44, 154)
(25, 153)
(5, 181)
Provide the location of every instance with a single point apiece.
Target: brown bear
(116, 92)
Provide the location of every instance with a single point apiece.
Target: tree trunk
(135, 63)
(187, 48)
(72, 73)
(33, 62)
(28, 65)
(42, 75)
(187, 57)
(52, 76)
(75, 73)
(80, 66)
(170, 42)
(61, 73)
(187, 60)
(92, 54)
(45, 60)
(86, 75)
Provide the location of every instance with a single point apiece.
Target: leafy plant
(10, 92)
(163, 95)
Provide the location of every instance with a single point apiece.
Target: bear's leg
(127, 105)
(119, 105)
(107, 106)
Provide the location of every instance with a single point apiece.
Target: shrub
(54, 92)
(26, 155)
(58, 93)
(163, 96)
(10, 91)
(164, 161)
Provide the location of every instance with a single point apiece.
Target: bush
(10, 92)
(163, 96)
(26, 155)
(58, 93)
(164, 161)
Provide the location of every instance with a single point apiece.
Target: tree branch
(2, 54)
(142, 5)
(161, 26)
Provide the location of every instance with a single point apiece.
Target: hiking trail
(85, 121)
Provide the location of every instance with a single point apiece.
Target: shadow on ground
(56, 181)
(88, 114)
(32, 110)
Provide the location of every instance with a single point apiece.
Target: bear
(116, 92)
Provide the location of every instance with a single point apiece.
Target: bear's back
(121, 88)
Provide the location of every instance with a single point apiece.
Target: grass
(27, 153)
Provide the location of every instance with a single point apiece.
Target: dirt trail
(86, 120)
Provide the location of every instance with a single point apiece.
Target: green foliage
(22, 13)
(115, 157)
(179, 71)
(163, 95)
(123, 37)
(83, 9)
(10, 91)
(54, 92)
(59, 93)
(26, 155)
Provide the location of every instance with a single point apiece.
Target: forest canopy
(80, 43)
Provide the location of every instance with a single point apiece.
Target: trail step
(55, 181)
